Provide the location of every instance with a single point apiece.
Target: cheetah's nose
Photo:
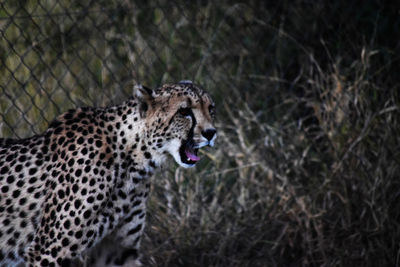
(209, 133)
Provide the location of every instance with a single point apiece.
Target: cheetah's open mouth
(188, 152)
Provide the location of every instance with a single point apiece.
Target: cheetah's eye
(184, 111)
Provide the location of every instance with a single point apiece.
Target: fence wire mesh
(61, 54)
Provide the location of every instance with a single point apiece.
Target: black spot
(67, 224)
(135, 213)
(61, 140)
(10, 179)
(58, 130)
(32, 171)
(71, 162)
(78, 172)
(4, 170)
(16, 193)
(99, 143)
(61, 193)
(54, 158)
(18, 168)
(122, 194)
(77, 203)
(80, 140)
(23, 224)
(90, 199)
(54, 252)
(75, 188)
(87, 168)
(65, 242)
(84, 151)
(78, 234)
(89, 233)
(135, 230)
(136, 203)
(22, 201)
(53, 146)
(20, 183)
(68, 115)
(84, 191)
(10, 157)
(44, 262)
(87, 214)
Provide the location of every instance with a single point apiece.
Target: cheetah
(78, 191)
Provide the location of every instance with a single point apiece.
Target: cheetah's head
(180, 120)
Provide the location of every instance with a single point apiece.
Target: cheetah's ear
(145, 96)
(143, 92)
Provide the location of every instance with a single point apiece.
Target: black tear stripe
(191, 131)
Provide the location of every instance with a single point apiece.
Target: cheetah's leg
(122, 247)
(110, 254)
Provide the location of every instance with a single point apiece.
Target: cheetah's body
(80, 188)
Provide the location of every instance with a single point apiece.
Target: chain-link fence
(60, 54)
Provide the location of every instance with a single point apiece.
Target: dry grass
(305, 172)
(308, 189)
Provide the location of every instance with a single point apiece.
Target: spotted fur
(78, 191)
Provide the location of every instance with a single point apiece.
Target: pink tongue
(190, 154)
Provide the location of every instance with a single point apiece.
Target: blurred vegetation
(306, 168)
